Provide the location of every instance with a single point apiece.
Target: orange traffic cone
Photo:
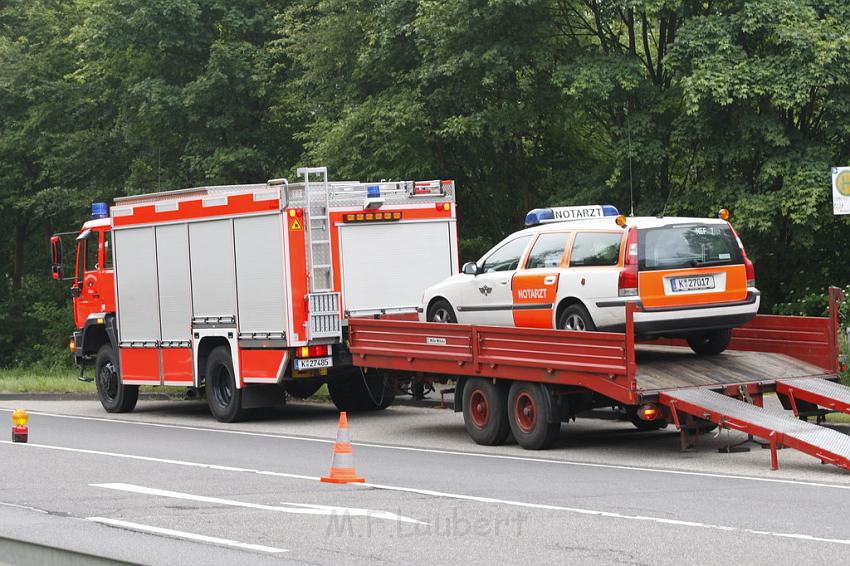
(342, 465)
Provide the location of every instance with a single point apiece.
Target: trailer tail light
(648, 412)
(443, 206)
(312, 351)
(627, 286)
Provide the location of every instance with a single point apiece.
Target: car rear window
(681, 246)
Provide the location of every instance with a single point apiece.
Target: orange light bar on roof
(372, 216)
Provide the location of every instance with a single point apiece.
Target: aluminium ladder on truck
(796, 357)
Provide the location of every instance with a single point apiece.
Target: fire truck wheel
(224, 398)
(354, 390)
(710, 343)
(485, 411)
(441, 311)
(576, 317)
(114, 395)
(529, 412)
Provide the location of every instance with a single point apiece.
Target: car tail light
(312, 351)
(627, 286)
(748, 265)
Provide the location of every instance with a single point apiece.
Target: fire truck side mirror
(56, 257)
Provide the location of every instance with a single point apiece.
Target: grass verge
(40, 380)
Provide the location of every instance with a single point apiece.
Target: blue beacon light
(99, 210)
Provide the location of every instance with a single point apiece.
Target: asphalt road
(167, 485)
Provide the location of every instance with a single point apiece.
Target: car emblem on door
(485, 290)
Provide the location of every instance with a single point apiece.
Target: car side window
(107, 249)
(595, 248)
(548, 251)
(507, 257)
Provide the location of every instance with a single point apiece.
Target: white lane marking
(296, 509)
(27, 507)
(459, 453)
(182, 534)
(451, 495)
(607, 514)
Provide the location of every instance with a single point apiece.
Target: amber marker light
(20, 432)
(621, 221)
(723, 214)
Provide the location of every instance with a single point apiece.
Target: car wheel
(530, 416)
(710, 343)
(441, 311)
(224, 398)
(576, 317)
(485, 411)
(114, 395)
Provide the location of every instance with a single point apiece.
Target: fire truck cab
(243, 292)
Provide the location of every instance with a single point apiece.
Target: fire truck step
(784, 429)
(827, 394)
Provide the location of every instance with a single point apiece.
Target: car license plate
(698, 283)
(313, 363)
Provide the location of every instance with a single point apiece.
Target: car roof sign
(568, 213)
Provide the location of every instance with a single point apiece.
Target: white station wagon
(575, 268)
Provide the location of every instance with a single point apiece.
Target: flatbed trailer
(527, 381)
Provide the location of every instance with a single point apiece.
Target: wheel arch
(205, 346)
(564, 304)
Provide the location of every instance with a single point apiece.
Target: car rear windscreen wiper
(698, 263)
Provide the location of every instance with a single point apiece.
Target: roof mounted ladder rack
(323, 303)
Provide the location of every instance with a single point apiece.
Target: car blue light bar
(99, 210)
(568, 213)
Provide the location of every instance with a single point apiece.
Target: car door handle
(503, 283)
(550, 279)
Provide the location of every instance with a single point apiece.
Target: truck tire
(441, 311)
(485, 411)
(530, 413)
(223, 397)
(354, 390)
(576, 317)
(114, 395)
(710, 343)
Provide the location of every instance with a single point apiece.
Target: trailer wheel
(485, 411)
(441, 311)
(354, 390)
(223, 397)
(530, 413)
(710, 343)
(576, 317)
(114, 395)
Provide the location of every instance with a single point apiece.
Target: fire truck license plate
(313, 363)
(700, 283)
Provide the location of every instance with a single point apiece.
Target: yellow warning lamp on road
(723, 214)
(20, 432)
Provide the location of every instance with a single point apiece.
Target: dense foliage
(686, 105)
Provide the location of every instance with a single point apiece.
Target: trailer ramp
(827, 394)
(776, 426)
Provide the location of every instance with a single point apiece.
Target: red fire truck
(244, 291)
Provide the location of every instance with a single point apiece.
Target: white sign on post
(841, 190)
